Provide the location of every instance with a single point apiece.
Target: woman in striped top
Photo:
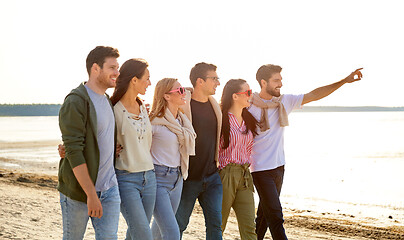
(238, 130)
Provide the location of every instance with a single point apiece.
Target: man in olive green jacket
(87, 181)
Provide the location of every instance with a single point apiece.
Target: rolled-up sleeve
(72, 123)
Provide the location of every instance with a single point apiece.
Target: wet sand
(29, 209)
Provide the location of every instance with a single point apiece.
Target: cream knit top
(134, 133)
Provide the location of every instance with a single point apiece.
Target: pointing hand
(354, 76)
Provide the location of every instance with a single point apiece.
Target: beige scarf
(185, 135)
(275, 103)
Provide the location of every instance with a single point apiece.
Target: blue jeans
(169, 189)
(269, 214)
(209, 192)
(138, 195)
(75, 216)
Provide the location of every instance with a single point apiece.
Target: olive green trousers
(238, 193)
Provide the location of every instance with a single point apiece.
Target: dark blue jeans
(269, 214)
(209, 192)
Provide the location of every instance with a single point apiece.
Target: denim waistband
(167, 169)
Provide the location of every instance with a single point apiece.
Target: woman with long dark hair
(134, 165)
(238, 130)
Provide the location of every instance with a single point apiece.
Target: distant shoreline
(9, 110)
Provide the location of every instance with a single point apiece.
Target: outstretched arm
(324, 91)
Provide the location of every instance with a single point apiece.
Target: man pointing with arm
(271, 109)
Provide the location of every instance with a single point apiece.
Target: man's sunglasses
(180, 90)
(248, 92)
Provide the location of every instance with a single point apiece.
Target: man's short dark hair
(265, 72)
(200, 70)
(98, 56)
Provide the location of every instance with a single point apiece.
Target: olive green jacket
(78, 125)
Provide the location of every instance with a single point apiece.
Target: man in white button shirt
(271, 109)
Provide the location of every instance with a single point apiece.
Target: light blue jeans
(169, 189)
(75, 216)
(138, 195)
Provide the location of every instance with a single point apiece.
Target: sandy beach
(29, 209)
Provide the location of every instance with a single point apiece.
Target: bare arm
(324, 91)
(81, 173)
(93, 202)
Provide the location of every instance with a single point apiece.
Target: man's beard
(272, 92)
(104, 81)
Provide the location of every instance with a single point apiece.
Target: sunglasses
(180, 90)
(248, 92)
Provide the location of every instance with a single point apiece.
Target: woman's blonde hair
(159, 102)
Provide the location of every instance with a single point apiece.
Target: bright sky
(44, 44)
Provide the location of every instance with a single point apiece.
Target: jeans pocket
(160, 172)
(112, 193)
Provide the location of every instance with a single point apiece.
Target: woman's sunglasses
(180, 90)
(248, 92)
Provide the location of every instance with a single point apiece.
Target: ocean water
(34, 138)
(334, 160)
(350, 162)
(346, 156)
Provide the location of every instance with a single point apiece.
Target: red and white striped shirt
(240, 145)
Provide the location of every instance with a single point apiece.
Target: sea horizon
(9, 110)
